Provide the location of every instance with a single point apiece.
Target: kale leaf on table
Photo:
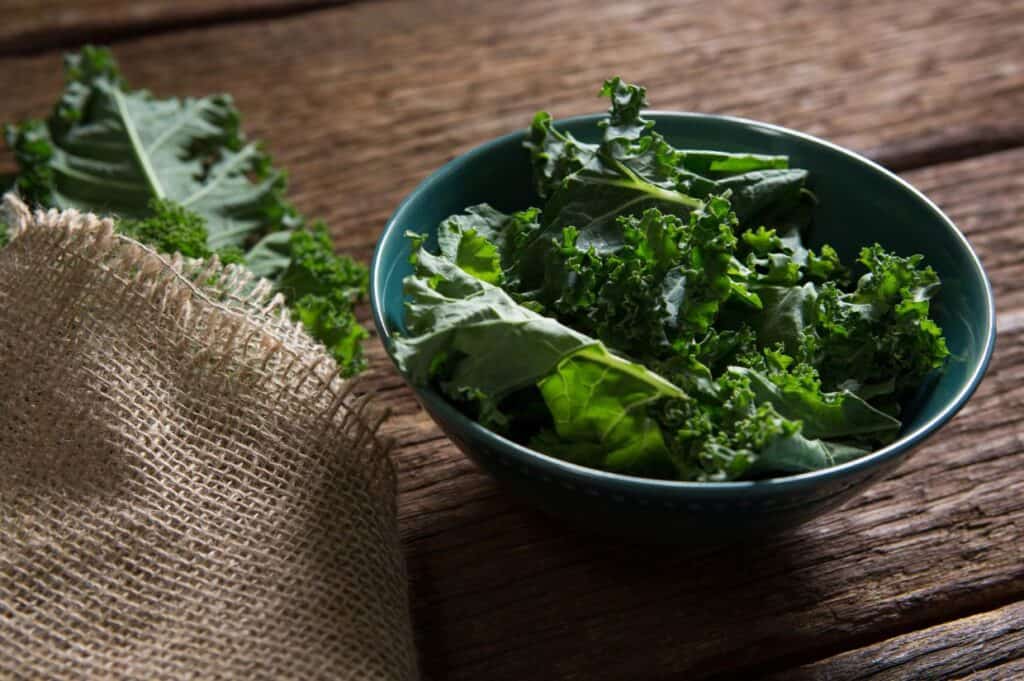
(660, 314)
(181, 177)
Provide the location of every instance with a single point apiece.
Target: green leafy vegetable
(599, 404)
(321, 289)
(271, 255)
(479, 257)
(182, 178)
(593, 202)
(881, 331)
(556, 155)
(718, 432)
(840, 415)
(666, 277)
(661, 315)
(796, 454)
(111, 150)
(173, 229)
(473, 338)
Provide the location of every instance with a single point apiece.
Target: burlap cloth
(187, 490)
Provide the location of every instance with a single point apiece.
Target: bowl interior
(859, 203)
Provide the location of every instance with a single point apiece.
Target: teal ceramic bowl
(860, 203)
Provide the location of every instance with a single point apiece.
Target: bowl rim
(776, 484)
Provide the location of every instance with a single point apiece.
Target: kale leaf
(321, 289)
(181, 177)
(600, 407)
(881, 332)
(472, 338)
(172, 229)
(556, 155)
(107, 149)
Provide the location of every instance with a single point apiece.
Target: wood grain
(989, 645)
(361, 102)
(499, 587)
(37, 25)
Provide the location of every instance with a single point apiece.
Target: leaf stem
(634, 182)
(139, 149)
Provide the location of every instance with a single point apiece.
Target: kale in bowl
(662, 314)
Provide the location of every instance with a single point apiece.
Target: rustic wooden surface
(37, 25)
(985, 646)
(361, 101)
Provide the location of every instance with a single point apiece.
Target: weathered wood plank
(37, 25)
(989, 645)
(499, 587)
(360, 102)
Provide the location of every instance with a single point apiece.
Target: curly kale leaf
(107, 149)
(169, 229)
(593, 202)
(630, 139)
(881, 332)
(271, 255)
(484, 241)
(631, 145)
(665, 282)
(718, 434)
(556, 155)
(321, 288)
(181, 177)
(634, 169)
(773, 420)
(631, 170)
(796, 454)
(763, 186)
(841, 415)
(484, 350)
(764, 196)
(30, 144)
(874, 339)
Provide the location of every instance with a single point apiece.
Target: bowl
(859, 203)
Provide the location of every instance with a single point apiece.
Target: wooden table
(920, 577)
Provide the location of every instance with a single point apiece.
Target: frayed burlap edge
(174, 285)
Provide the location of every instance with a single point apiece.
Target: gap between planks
(956, 144)
(776, 669)
(931, 651)
(99, 31)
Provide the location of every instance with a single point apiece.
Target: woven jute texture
(187, 489)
